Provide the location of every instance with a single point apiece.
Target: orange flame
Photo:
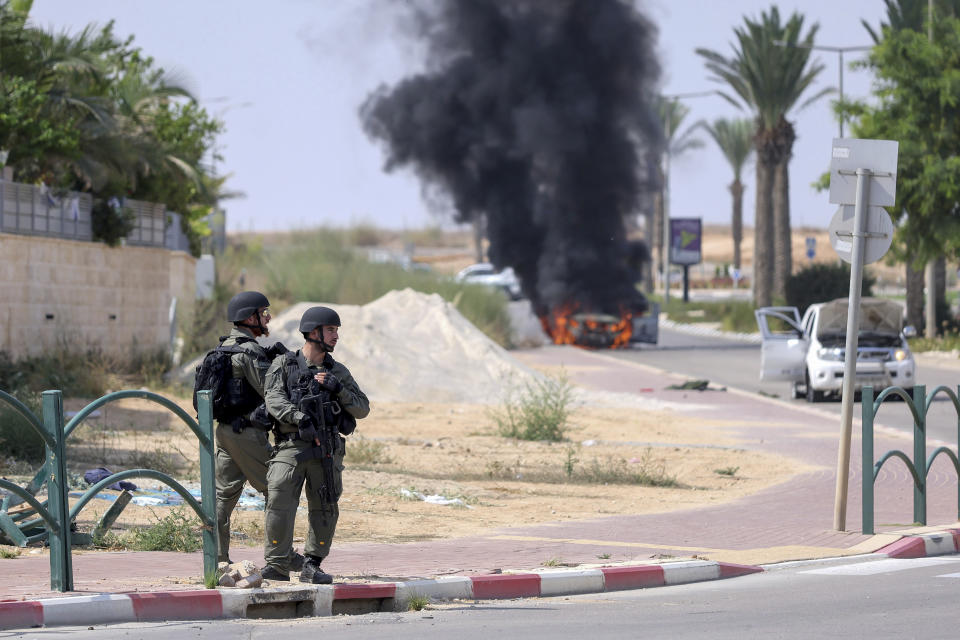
(565, 326)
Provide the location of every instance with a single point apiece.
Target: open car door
(784, 346)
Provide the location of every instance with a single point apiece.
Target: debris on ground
(433, 499)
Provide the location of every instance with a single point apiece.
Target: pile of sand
(413, 347)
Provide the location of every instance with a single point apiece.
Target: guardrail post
(866, 461)
(920, 454)
(61, 563)
(208, 498)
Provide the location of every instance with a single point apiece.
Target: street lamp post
(667, 126)
(838, 50)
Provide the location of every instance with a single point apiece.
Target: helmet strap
(323, 345)
(326, 348)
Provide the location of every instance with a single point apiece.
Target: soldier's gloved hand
(331, 383)
(307, 429)
(276, 349)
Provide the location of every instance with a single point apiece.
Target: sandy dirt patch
(453, 451)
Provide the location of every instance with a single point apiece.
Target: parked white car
(809, 353)
(486, 274)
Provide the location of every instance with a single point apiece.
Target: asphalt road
(734, 363)
(851, 598)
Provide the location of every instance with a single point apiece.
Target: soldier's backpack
(215, 373)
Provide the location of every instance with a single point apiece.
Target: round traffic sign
(878, 229)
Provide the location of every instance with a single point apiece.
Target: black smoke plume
(539, 116)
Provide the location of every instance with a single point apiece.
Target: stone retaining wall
(87, 294)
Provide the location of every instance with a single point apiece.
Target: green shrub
(645, 473)
(18, 439)
(178, 531)
(76, 373)
(111, 223)
(539, 411)
(733, 315)
(822, 283)
(417, 603)
(363, 451)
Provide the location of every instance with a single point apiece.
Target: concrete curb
(309, 600)
(924, 545)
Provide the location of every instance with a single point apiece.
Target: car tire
(812, 394)
(795, 392)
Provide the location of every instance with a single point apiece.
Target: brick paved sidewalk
(789, 521)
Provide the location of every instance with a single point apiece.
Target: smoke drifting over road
(538, 115)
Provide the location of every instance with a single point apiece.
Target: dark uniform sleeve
(351, 397)
(275, 394)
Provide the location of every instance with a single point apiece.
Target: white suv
(810, 352)
(485, 273)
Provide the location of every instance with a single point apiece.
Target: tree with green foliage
(735, 139)
(911, 15)
(821, 283)
(91, 112)
(770, 80)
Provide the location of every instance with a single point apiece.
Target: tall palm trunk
(763, 225)
(782, 237)
(914, 295)
(736, 189)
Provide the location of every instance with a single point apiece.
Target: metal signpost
(685, 238)
(863, 173)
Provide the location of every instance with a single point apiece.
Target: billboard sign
(686, 235)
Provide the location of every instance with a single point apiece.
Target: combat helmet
(245, 304)
(318, 317)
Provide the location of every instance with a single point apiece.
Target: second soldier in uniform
(313, 400)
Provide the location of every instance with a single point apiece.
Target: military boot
(312, 572)
(296, 562)
(269, 573)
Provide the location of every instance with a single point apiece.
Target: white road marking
(887, 565)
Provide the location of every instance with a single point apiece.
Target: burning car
(602, 330)
(809, 353)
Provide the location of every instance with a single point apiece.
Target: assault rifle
(317, 404)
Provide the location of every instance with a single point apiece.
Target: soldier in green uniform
(243, 448)
(313, 400)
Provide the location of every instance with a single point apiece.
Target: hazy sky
(288, 76)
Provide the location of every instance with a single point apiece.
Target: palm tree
(770, 79)
(672, 114)
(735, 139)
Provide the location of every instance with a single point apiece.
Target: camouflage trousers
(241, 457)
(285, 482)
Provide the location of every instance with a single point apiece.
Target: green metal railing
(55, 513)
(919, 466)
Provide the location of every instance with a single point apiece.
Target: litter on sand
(434, 499)
(163, 496)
